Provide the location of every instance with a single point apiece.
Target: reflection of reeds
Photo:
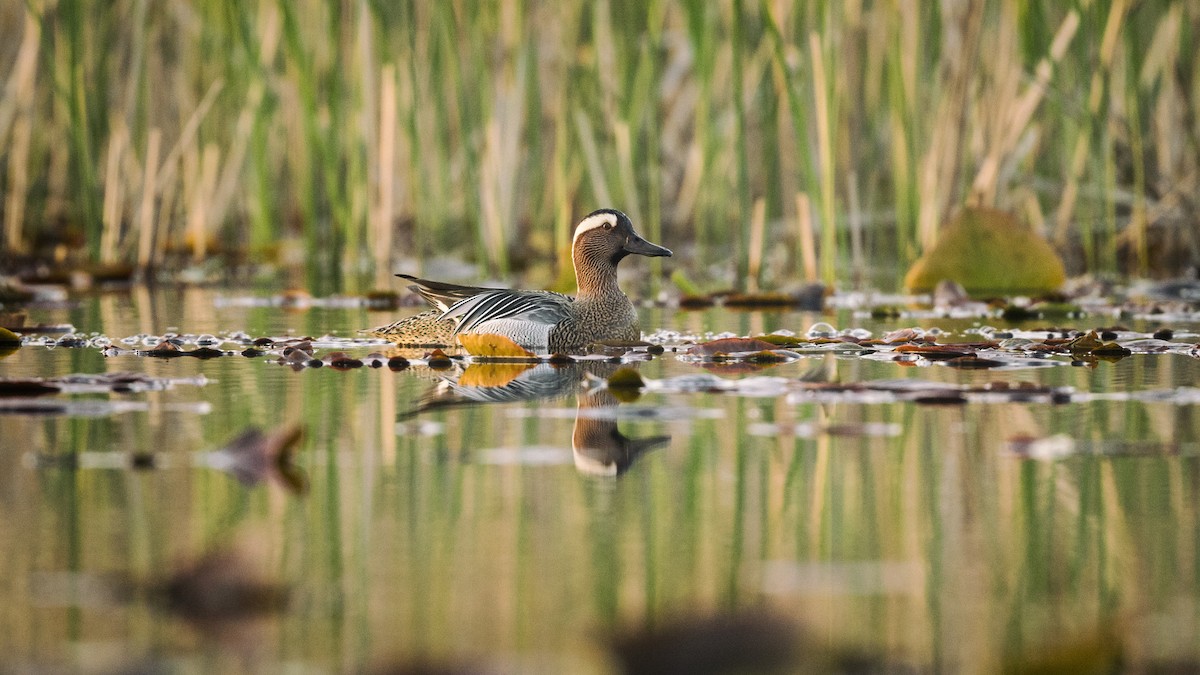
(367, 129)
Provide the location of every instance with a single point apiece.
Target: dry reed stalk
(689, 186)
(592, 156)
(1033, 213)
(561, 193)
(16, 110)
(1166, 117)
(500, 165)
(198, 223)
(236, 158)
(114, 192)
(857, 260)
(166, 208)
(146, 212)
(825, 154)
(1066, 206)
(758, 226)
(940, 164)
(187, 136)
(627, 178)
(1022, 111)
(386, 173)
(804, 230)
(18, 89)
(18, 183)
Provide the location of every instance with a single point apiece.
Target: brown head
(601, 241)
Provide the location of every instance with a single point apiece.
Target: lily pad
(9, 338)
(989, 252)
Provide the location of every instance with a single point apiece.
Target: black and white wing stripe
(442, 295)
(541, 307)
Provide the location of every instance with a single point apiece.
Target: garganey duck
(542, 321)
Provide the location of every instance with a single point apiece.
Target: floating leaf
(779, 340)
(972, 362)
(489, 346)
(1084, 343)
(936, 352)
(1111, 350)
(768, 356)
(730, 346)
(902, 335)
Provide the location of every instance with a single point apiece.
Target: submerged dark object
(746, 642)
(255, 456)
(220, 587)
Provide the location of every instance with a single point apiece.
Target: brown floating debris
(901, 335)
(27, 387)
(383, 299)
(946, 397)
(696, 302)
(438, 360)
(342, 361)
(730, 346)
(972, 362)
(768, 356)
(164, 349)
(758, 300)
(936, 352)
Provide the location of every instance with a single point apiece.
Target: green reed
(509, 122)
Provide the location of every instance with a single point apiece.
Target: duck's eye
(608, 226)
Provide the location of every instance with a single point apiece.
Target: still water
(417, 524)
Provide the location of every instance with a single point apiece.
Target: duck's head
(608, 234)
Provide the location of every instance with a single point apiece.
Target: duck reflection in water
(598, 446)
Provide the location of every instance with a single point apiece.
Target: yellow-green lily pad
(989, 252)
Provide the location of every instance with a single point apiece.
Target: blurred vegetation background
(762, 140)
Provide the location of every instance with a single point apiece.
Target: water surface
(523, 533)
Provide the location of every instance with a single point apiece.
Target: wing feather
(542, 307)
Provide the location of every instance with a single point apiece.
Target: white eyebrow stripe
(592, 222)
